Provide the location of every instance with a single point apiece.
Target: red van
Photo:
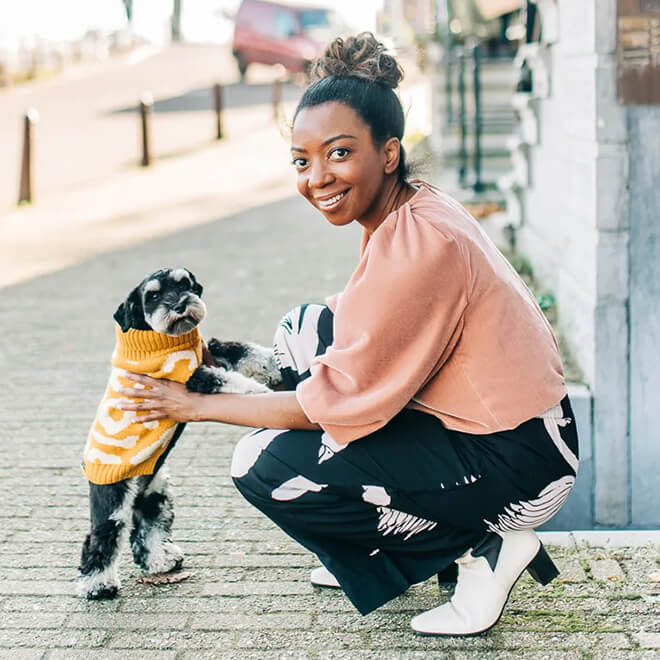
(279, 33)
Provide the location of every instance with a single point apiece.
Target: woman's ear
(392, 153)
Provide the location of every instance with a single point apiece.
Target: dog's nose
(181, 306)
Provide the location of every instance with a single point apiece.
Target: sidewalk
(258, 250)
(250, 596)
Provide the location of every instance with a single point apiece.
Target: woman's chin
(338, 219)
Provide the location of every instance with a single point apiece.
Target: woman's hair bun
(360, 56)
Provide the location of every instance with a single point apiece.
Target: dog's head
(168, 301)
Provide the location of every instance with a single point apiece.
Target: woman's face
(340, 170)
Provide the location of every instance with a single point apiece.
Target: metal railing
(457, 61)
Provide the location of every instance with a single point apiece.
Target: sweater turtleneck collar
(137, 344)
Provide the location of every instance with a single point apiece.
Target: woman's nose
(319, 175)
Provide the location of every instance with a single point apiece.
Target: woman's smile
(331, 203)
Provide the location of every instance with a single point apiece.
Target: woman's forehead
(319, 122)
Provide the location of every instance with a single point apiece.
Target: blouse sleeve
(395, 323)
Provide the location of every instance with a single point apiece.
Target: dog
(157, 334)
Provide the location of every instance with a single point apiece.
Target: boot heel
(542, 568)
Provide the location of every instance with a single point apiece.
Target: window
(285, 24)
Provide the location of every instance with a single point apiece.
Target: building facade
(589, 220)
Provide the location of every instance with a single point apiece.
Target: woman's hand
(162, 398)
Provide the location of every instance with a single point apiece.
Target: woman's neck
(394, 195)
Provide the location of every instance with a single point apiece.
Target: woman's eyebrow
(327, 142)
(338, 137)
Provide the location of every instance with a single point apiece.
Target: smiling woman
(425, 426)
(348, 175)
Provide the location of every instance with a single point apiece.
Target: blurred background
(122, 121)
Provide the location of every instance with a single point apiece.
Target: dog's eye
(151, 295)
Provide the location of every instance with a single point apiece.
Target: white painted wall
(576, 229)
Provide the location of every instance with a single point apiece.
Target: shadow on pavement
(235, 95)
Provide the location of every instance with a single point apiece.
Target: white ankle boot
(322, 577)
(486, 575)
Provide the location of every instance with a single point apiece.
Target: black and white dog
(168, 302)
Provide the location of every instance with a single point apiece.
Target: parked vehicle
(279, 33)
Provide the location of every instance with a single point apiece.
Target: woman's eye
(339, 153)
(299, 163)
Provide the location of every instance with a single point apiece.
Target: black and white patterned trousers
(401, 504)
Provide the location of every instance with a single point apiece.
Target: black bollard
(463, 165)
(25, 191)
(146, 109)
(478, 185)
(217, 101)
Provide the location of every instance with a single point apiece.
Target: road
(88, 128)
(90, 194)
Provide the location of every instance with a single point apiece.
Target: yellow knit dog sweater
(118, 446)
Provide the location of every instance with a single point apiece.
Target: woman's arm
(165, 398)
(275, 410)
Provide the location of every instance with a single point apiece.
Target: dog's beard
(168, 322)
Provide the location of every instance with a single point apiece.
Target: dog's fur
(168, 301)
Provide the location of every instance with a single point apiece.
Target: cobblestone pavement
(250, 596)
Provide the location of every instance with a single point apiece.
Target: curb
(634, 538)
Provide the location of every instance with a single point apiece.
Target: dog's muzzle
(175, 320)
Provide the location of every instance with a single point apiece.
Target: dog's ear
(130, 314)
(196, 286)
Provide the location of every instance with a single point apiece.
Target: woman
(426, 420)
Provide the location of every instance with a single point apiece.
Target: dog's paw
(251, 360)
(164, 559)
(216, 380)
(237, 383)
(97, 586)
(207, 380)
(227, 354)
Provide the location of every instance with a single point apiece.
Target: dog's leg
(216, 380)
(153, 515)
(110, 513)
(251, 360)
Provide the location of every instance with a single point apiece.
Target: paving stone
(221, 654)
(274, 640)
(58, 604)
(234, 621)
(570, 570)
(178, 604)
(180, 640)
(51, 639)
(527, 654)
(256, 588)
(648, 640)
(106, 654)
(605, 569)
(35, 587)
(368, 654)
(29, 620)
(260, 560)
(127, 621)
(639, 564)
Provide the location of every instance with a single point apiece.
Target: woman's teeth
(327, 203)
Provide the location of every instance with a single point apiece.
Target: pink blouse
(433, 318)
